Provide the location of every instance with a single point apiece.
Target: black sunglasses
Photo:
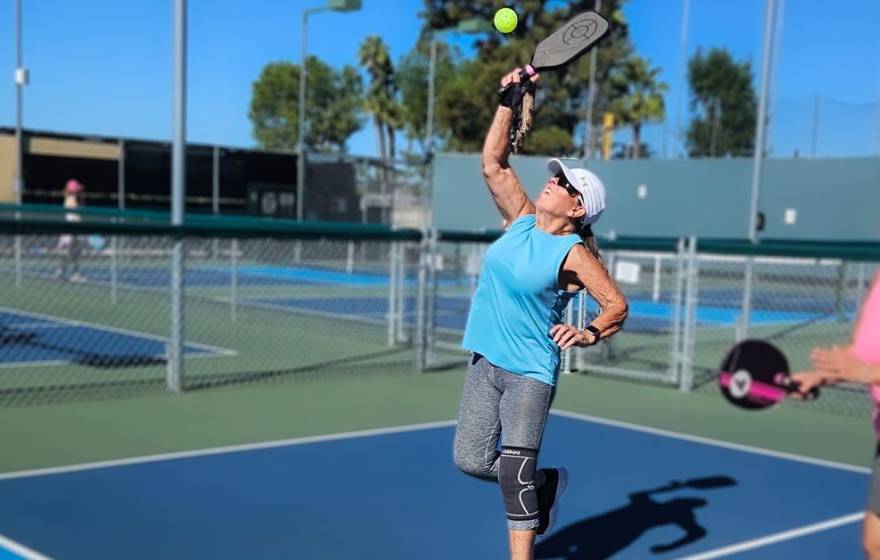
(562, 181)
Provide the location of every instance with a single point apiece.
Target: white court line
(227, 449)
(20, 549)
(713, 442)
(96, 326)
(777, 537)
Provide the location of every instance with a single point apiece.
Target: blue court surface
(29, 339)
(644, 315)
(395, 494)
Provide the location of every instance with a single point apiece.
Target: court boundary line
(774, 538)
(17, 548)
(226, 449)
(710, 441)
(422, 426)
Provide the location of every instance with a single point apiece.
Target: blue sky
(104, 67)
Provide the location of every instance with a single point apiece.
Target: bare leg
(522, 545)
(871, 536)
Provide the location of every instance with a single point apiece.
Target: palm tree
(381, 100)
(637, 98)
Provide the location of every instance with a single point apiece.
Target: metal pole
(233, 280)
(591, 99)
(20, 81)
(215, 195)
(18, 183)
(757, 167)
(300, 137)
(815, 139)
(682, 62)
(429, 126)
(686, 381)
(116, 243)
(392, 294)
(174, 373)
(758, 158)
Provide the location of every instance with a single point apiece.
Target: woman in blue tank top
(515, 330)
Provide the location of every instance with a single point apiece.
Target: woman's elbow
(622, 311)
(491, 169)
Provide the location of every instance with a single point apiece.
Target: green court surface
(70, 433)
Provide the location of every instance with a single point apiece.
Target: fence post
(391, 316)
(675, 350)
(686, 380)
(233, 280)
(569, 320)
(17, 261)
(745, 316)
(420, 350)
(431, 303)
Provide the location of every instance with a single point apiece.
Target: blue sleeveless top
(518, 301)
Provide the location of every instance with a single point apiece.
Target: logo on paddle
(740, 383)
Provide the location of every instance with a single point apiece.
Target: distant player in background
(69, 245)
(515, 329)
(858, 362)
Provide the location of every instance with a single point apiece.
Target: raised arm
(582, 270)
(509, 195)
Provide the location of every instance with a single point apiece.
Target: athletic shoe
(78, 278)
(549, 496)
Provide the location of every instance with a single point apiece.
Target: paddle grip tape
(516, 475)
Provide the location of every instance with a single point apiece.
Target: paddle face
(754, 375)
(570, 41)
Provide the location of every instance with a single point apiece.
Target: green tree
(724, 100)
(561, 105)
(333, 106)
(638, 99)
(381, 100)
(412, 79)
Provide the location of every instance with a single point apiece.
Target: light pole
(591, 100)
(336, 6)
(472, 25)
(468, 26)
(21, 79)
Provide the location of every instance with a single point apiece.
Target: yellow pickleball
(505, 20)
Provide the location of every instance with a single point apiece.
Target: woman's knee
(474, 465)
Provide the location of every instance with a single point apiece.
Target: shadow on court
(604, 535)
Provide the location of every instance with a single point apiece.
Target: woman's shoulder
(523, 222)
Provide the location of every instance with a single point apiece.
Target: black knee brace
(516, 475)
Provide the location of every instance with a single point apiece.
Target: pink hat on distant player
(74, 186)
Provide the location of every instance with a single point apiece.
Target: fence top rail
(207, 226)
(868, 251)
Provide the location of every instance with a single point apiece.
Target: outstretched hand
(514, 76)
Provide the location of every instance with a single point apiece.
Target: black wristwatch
(593, 331)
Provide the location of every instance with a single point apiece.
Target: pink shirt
(866, 341)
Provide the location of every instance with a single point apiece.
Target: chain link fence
(86, 311)
(689, 302)
(86, 306)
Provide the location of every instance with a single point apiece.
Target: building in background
(138, 173)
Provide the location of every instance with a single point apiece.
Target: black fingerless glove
(512, 94)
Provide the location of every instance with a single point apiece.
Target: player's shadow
(604, 535)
